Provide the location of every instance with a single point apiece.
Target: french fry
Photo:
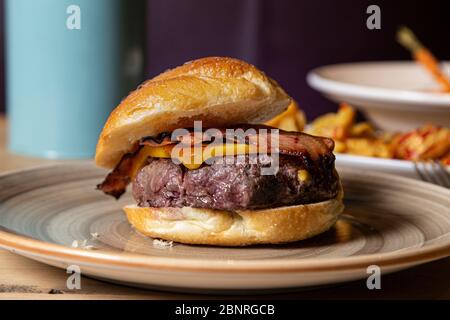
(369, 147)
(288, 124)
(334, 125)
(445, 160)
(300, 120)
(351, 137)
(422, 55)
(293, 119)
(362, 129)
(323, 126)
(345, 118)
(425, 143)
(340, 146)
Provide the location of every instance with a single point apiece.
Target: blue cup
(64, 74)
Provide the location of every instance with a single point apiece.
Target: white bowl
(394, 95)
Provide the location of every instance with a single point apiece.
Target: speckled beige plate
(392, 222)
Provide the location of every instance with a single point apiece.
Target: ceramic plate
(395, 96)
(392, 222)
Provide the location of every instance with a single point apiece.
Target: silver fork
(433, 172)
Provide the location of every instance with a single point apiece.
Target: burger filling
(216, 180)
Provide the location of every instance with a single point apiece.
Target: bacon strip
(163, 139)
(116, 182)
(289, 143)
(299, 143)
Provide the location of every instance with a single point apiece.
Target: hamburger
(215, 191)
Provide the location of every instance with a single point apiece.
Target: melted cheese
(140, 159)
(303, 175)
(191, 160)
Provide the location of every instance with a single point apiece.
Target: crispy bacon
(190, 138)
(299, 144)
(163, 139)
(289, 143)
(116, 182)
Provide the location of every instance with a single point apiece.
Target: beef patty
(236, 186)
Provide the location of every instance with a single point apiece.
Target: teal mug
(64, 74)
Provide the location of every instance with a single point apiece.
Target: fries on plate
(430, 142)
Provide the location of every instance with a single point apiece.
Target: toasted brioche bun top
(219, 91)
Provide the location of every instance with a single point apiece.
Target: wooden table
(21, 278)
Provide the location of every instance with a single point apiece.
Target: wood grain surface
(21, 278)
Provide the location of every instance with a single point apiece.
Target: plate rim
(385, 162)
(29, 246)
(330, 86)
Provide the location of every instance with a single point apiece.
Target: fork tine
(435, 171)
(443, 173)
(419, 172)
(429, 171)
(426, 173)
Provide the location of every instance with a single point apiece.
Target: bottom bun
(237, 228)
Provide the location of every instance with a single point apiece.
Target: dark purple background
(288, 38)
(285, 38)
